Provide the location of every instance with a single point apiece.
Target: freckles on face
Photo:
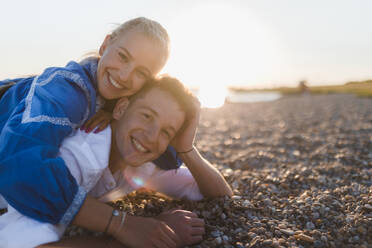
(126, 62)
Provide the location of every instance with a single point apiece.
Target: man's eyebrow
(131, 57)
(151, 110)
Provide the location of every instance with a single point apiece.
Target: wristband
(123, 215)
(186, 151)
(115, 212)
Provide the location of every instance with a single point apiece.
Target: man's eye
(142, 74)
(147, 116)
(167, 134)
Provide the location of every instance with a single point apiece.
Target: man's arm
(210, 181)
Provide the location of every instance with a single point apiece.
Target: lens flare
(138, 181)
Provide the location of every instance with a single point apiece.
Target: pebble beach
(300, 168)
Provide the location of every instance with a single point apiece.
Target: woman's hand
(185, 137)
(146, 232)
(99, 121)
(186, 224)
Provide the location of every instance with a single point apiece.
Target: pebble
(324, 238)
(318, 244)
(236, 197)
(361, 229)
(268, 202)
(267, 242)
(218, 240)
(215, 234)
(304, 237)
(246, 203)
(287, 231)
(239, 245)
(310, 225)
(315, 215)
(368, 207)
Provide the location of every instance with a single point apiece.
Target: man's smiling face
(146, 127)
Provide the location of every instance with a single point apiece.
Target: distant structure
(302, 87)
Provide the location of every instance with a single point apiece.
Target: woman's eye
(123, 56)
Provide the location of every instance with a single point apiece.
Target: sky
(214, 44)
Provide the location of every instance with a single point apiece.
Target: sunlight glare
(218, 44)
(212, 97)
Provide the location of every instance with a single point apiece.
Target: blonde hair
(150, 28)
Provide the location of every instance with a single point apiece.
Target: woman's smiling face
(126, 62)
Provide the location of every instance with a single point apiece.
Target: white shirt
(87, 157)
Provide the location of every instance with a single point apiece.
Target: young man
(111, 163)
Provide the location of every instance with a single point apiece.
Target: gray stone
(310, 225)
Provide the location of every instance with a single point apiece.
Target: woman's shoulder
(63, 92)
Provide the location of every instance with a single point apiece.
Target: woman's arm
(32, 178)
(136, 231)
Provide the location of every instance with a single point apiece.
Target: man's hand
(185, 138)
(147, 232)
(186, 225)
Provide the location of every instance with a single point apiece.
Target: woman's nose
(124, 74)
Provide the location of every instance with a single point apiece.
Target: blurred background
(219, 48)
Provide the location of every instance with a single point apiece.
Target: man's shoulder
(86, 155)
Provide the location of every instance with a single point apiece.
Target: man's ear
(104, 44)
(120, 107)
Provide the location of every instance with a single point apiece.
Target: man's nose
(152, 133)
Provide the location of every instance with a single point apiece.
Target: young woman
(38, 112)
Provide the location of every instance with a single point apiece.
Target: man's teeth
(114, 83)
(138, 146)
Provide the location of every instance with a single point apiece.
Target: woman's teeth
(138, 146)
(114, 83)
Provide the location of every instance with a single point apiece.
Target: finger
(197, 222)
(102, 125)
(169, 237)
(191, 214)
(88, 122)
(95, 123)
(183, 212)
(171, 210)
(196, 239)
(159, 244)
(197, 231)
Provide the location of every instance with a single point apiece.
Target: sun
(215, 45)
(212, 98)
